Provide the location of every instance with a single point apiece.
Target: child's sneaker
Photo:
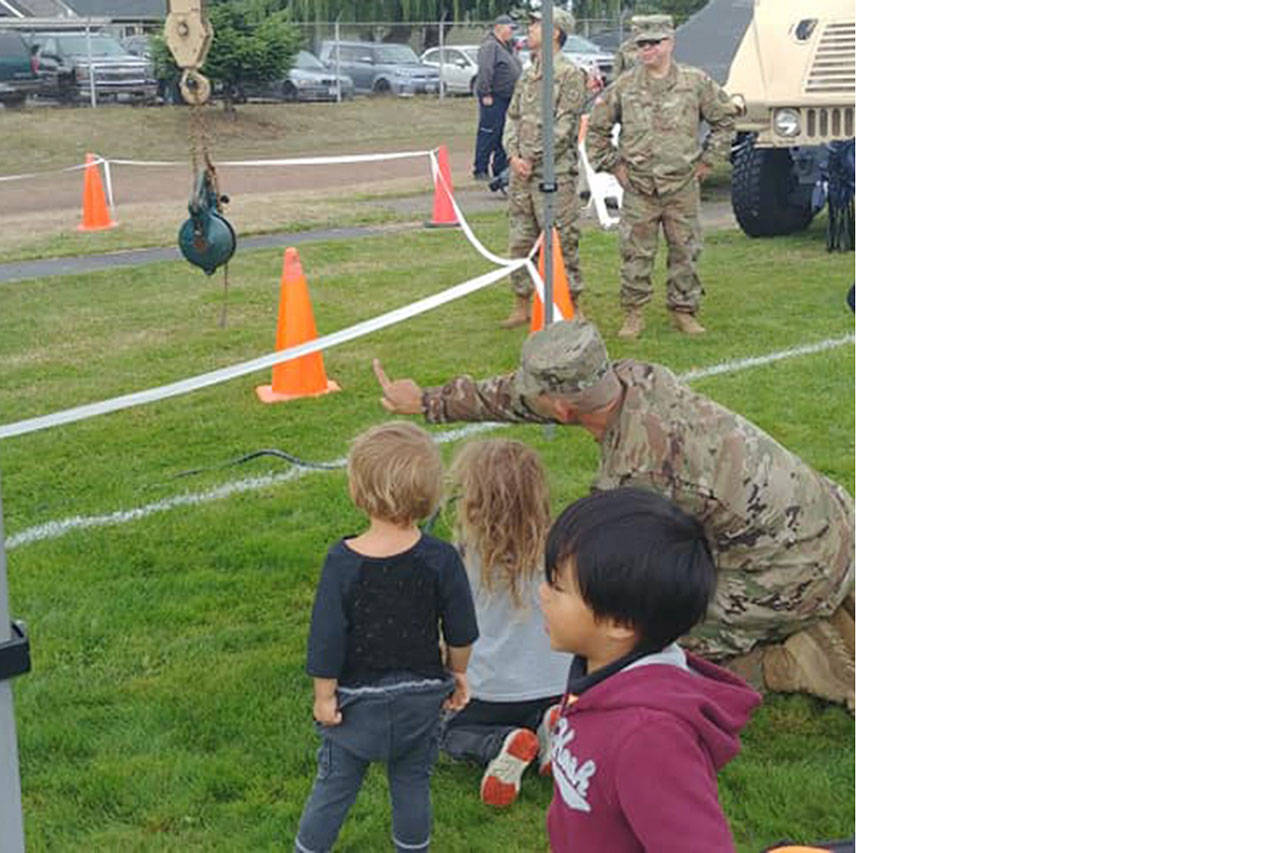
(545, 729)
(501, 780)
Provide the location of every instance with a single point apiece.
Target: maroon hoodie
(635, 757)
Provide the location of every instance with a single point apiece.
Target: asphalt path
(18, 270)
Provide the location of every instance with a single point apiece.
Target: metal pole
(93, 80)
(337, 52)
(440, 56)
(10, 788)
(548, 185)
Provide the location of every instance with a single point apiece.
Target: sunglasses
(649, 42)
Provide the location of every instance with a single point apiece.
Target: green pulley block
(206, 238)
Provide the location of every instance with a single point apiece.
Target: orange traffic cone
(442, 213)
(96, 217)
(302, 376)
(561, 302)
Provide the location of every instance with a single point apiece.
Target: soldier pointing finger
(781, 533)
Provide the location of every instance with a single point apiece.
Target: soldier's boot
(686, 323)
(521, 313)
(632, 324)
(578, 313)
(818, 660)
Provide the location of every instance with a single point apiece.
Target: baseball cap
(566, 358)
(652, 26)
(561, 18)
(503, 19)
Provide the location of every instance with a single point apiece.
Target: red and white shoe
(545, 730)
(501, 782)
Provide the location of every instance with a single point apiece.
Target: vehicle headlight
(786, 122)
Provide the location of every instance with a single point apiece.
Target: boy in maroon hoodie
(644, 726)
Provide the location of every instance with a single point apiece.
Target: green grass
(38, 139)
(168, 707)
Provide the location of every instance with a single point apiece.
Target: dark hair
(561, 38)
(640, 559)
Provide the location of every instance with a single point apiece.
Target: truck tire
(763, 190)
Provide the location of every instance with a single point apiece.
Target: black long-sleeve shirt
(499, 68)
(374, 615)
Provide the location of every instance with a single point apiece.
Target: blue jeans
(493, 119)
(396, 722)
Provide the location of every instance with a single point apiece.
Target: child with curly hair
(516, 681)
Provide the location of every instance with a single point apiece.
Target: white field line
(56, 529)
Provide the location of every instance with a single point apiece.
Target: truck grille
(828, 123)
(833, 69)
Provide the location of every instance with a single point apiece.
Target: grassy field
(38, 139)
(168, 707)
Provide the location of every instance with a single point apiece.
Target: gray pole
(337, 52)
(548, 185)
(10, 788)
(440, 53)
(93, 87)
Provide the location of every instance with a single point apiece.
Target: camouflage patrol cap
(567, 358)
(561, 18)
(652, 26)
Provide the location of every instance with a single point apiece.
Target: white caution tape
(505, 267)
(23, 177)
(292, 161)
(61, 527)
(224, 374)
(471, 235)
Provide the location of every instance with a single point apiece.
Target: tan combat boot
(817, 660)
(521, 313)
(748, 667)
(686, 323)
(632, 324)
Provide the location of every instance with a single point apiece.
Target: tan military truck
(790, 68)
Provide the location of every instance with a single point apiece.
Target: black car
(18, 77)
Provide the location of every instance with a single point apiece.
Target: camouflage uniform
(659, 147)
(523, 138)
(781, 533)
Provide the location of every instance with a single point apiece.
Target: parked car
(68, 62)
(380, 67)
(581, 52)
(18, 67)
(607, 40)
(138, 45)
(460, 66)
(308, 80)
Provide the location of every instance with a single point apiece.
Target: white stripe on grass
(56, 529)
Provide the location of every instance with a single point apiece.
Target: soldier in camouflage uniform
(660, 163)
(781, 533)
(522, 139)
